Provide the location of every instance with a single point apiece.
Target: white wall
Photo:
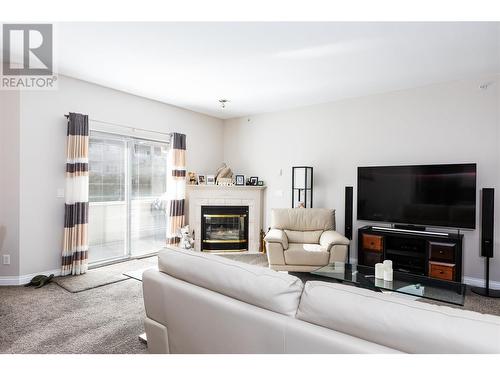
(42, 162)
(445, 123)
(9, 182)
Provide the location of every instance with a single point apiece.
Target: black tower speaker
(487, 238)
(487, 220)
(348, 212)
(348, 219)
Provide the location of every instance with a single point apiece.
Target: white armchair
(304, 239)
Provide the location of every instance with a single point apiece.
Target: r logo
(27, 49)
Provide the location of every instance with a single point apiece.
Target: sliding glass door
(107, 198)
(147, 199)
(127, 197)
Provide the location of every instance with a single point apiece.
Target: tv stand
(433, 254)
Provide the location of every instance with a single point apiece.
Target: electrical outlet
(6, 259)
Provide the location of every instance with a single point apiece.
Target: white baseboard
(24, 279)
(472, 281)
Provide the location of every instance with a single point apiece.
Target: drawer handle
(441, 272)
(372, 243)
(441, 251)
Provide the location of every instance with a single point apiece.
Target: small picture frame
(210, 179)
(191, 178)
(201, 179)
(260, 183)
(239, 180)
(254, 181)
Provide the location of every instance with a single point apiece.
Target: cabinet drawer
(373, 242)
(442, 252)
(370, 258)
(442, 271)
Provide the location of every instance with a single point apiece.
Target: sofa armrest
(277, 236)
(330, 238)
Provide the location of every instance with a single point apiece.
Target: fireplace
(224, 228)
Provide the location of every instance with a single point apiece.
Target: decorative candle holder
(388, 264)
(388, 274)
(379, 270)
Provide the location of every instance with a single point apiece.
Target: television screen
(433, 195)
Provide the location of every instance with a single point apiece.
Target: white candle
(387, 274)
(379, 271)
(388, 264)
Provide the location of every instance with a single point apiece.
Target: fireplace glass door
(224, 228)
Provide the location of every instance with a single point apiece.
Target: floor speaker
(487, 221)
(348, 219)
(487, 238)
(348, 212)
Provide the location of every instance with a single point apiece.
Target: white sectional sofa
(203, 303)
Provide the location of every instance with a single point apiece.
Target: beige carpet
(104, 320)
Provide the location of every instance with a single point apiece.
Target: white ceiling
(263, 67)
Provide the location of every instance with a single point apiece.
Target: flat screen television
(441, 195)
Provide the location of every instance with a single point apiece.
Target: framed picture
(210, 179)
(201, 179)
(240, 180)
(191, 178)
(260, 183)
(254, 181)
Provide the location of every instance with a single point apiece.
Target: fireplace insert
(224, 228)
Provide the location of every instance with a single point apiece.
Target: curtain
(75, 245)
(176, 187)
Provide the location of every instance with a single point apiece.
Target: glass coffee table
(413, 285)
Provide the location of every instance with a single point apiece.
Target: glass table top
(413, 285)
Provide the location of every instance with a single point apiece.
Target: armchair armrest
(277, 236)
(330, 238)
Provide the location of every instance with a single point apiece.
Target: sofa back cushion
(303, 219)
(259, 286)
(396, 322)
(308, 236)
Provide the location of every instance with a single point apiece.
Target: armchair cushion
(330, 238)
(306, 254)
(277, 236)
(298, 236)
(309, 219)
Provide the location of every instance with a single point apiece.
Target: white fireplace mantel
(215, 195)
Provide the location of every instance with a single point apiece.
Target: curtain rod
(134, 128)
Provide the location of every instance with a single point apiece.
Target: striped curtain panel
(176, 187)
(75, 247)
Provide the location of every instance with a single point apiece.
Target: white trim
(24, 279)
(472, 281)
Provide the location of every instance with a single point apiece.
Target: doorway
(127, 205)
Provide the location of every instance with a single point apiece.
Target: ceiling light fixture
(223, 102)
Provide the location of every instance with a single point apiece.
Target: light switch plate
(6, 259)
(60, 193)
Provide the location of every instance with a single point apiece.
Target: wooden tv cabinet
(417, 252)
